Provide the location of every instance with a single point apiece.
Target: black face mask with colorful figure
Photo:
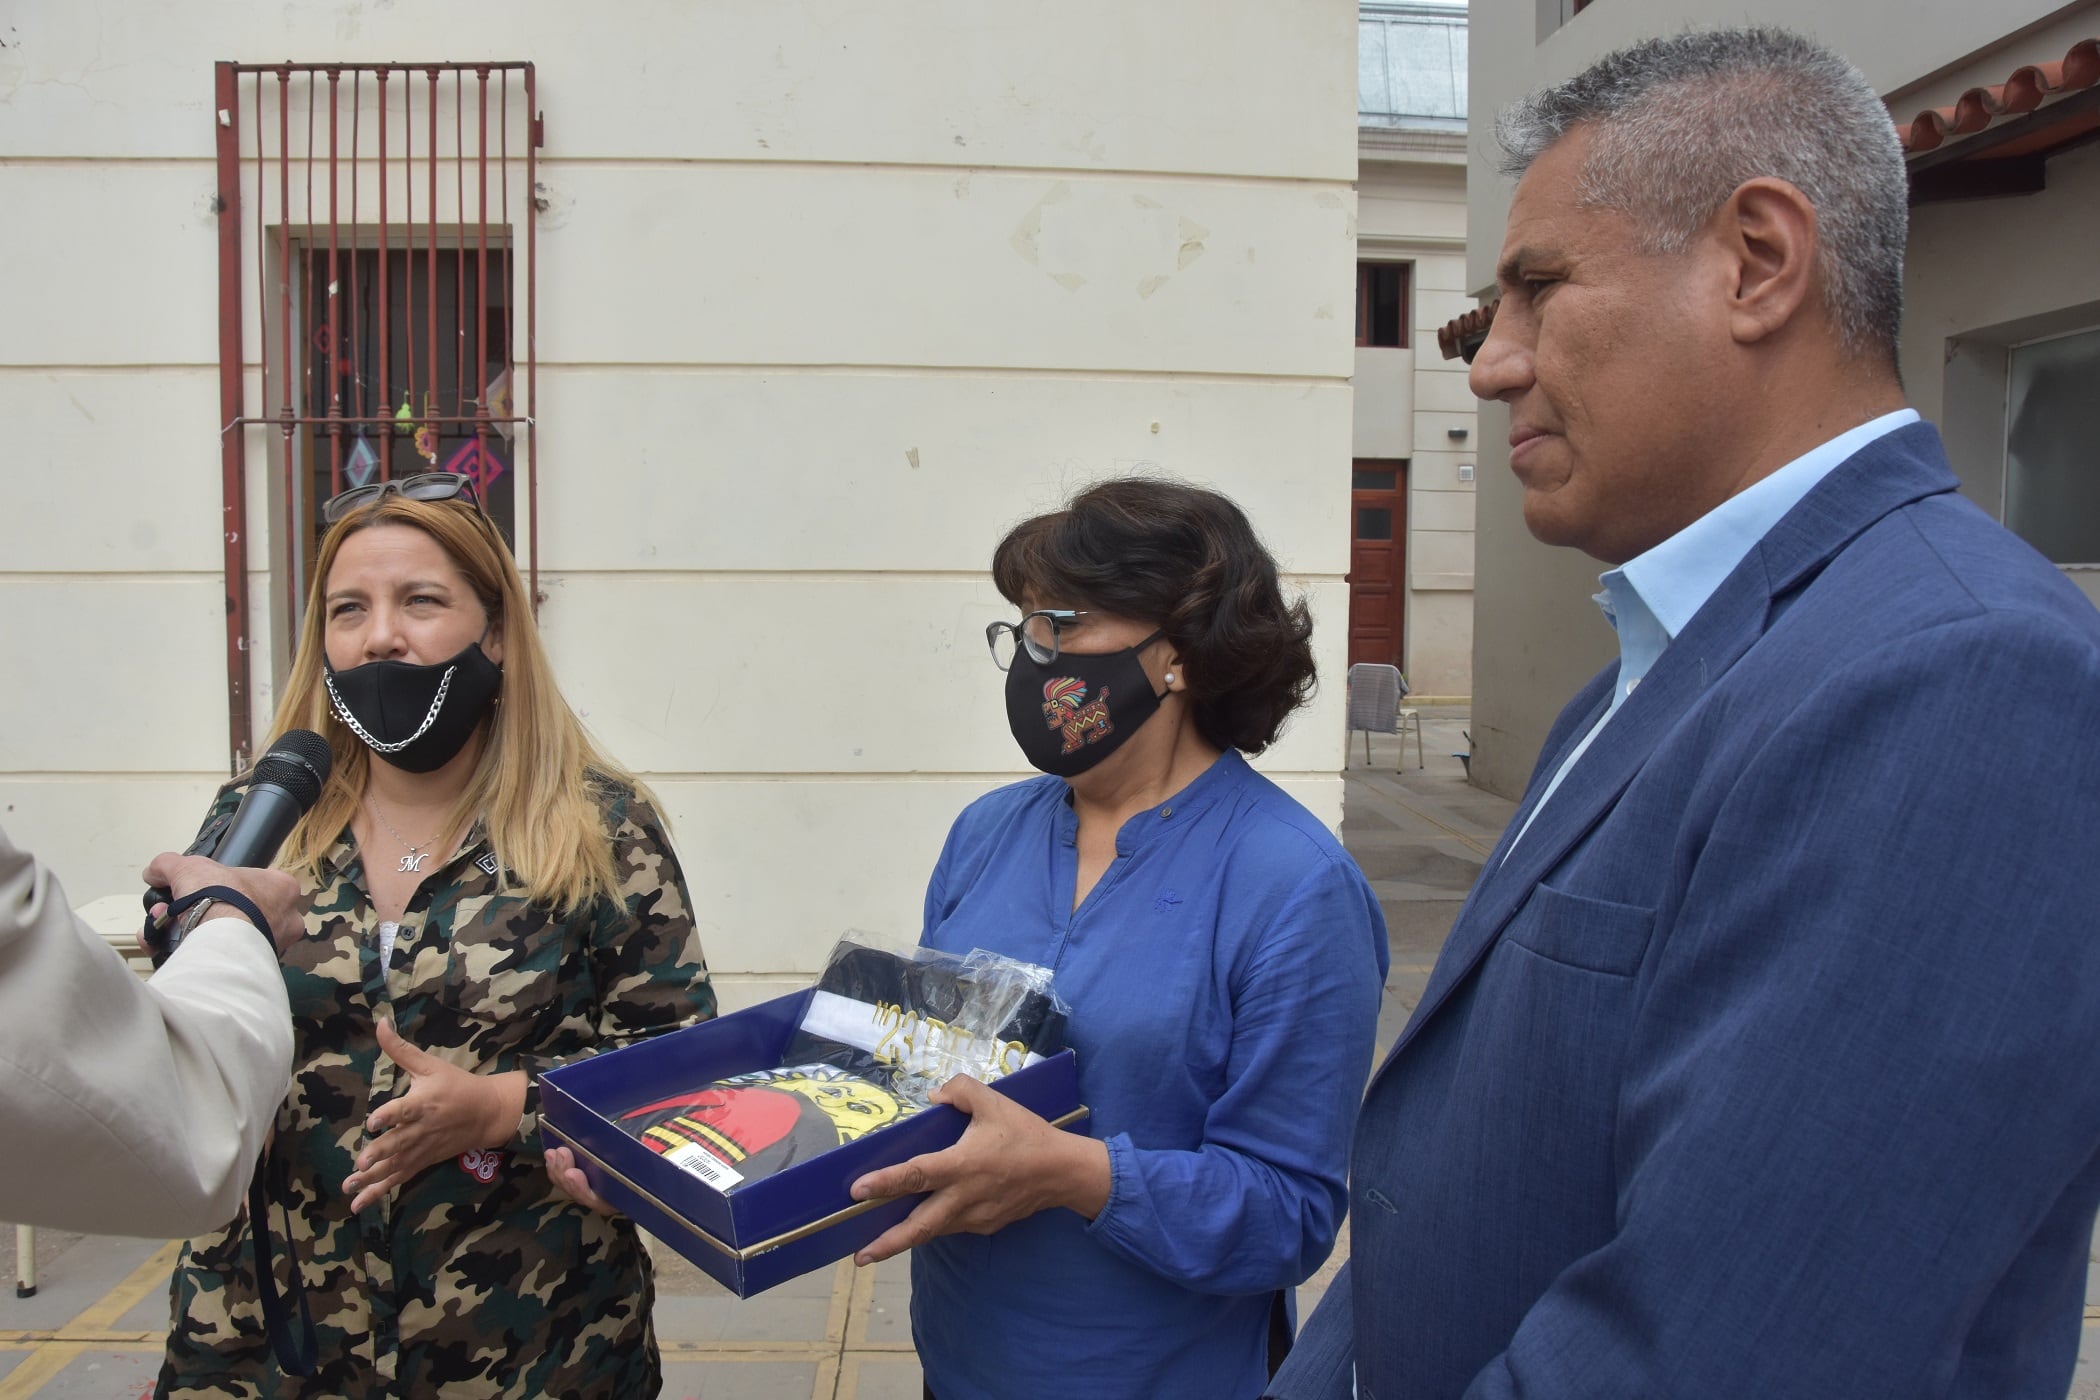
(1075, 711)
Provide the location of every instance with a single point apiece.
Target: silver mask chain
(342, 711)
(412, 863)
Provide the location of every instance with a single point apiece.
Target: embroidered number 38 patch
(482, 1163)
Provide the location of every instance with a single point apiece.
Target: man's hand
(446, 1111)
(1009, 1164)
(275, 892)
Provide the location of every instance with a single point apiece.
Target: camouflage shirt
(478, 1277)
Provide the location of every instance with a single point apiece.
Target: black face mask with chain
(416, 717)
(1070, 714)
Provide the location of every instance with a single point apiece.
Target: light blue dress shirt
(1653, 596)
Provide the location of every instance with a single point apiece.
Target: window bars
(383, 205)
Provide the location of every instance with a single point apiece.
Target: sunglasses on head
(424, 486)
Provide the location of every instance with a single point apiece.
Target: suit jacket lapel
(1890, 472)
(1721, 632)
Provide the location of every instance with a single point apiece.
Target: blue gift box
(780, 1226)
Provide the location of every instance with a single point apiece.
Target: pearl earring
(1170, 678)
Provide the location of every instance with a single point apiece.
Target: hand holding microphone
(287, 782)
(274, 892)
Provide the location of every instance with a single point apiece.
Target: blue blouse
(1223, 979)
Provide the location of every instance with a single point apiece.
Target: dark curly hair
(1185, 560)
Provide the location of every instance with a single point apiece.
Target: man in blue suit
(1764, 1060)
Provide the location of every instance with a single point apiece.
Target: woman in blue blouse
(1222, 956)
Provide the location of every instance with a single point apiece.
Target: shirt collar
(1672, 581)
(1222, 777)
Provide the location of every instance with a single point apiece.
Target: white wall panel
(113, 674)
(1440, 647)
(1438, 471)
(771, 265)
(788, 470)
(119, 265)
(854, 675)
(1235, 86)
(1433, 435)
(1439, 272)
(1382, 215)
(1442, 552)
(97, 834)
(1433, 307)
(111, 471)
(780, 869)
(1444, 393)
(1440, 510)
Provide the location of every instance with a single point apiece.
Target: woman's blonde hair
(533, 784)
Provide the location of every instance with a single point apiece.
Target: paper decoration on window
(478, 460)
(427, 433)
(496, 398)
(404, 417)
(362, 463)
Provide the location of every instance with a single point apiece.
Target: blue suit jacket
(1768, 1065)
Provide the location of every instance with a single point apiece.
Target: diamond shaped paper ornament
(496, 398)
(477, 458)
(362, 462)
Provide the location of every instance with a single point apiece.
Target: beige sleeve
(131, 1108)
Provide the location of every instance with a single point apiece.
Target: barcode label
(694, 1158)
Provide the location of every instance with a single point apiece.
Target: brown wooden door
(1377, 561)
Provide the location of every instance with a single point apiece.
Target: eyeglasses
(423, 486)
(1039, 632)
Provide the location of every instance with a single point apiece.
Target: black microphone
(287, 782)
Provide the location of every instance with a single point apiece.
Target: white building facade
(805, 306)
(1412, 443)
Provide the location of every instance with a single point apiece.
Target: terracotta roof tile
(2023, 91)
(1453, 335)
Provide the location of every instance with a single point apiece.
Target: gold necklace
(412, 863)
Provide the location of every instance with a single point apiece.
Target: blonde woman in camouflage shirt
(490, 897)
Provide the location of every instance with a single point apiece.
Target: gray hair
(1680, 122)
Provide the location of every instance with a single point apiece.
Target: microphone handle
(265, 817)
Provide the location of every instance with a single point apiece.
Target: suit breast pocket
(1595, 935)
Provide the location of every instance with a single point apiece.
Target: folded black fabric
(751, 1125)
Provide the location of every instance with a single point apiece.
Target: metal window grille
(397, 321)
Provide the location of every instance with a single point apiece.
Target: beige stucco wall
(829, 297)
(1411, 207)
(1537, 636)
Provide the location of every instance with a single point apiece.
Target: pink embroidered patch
(481, 1163)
